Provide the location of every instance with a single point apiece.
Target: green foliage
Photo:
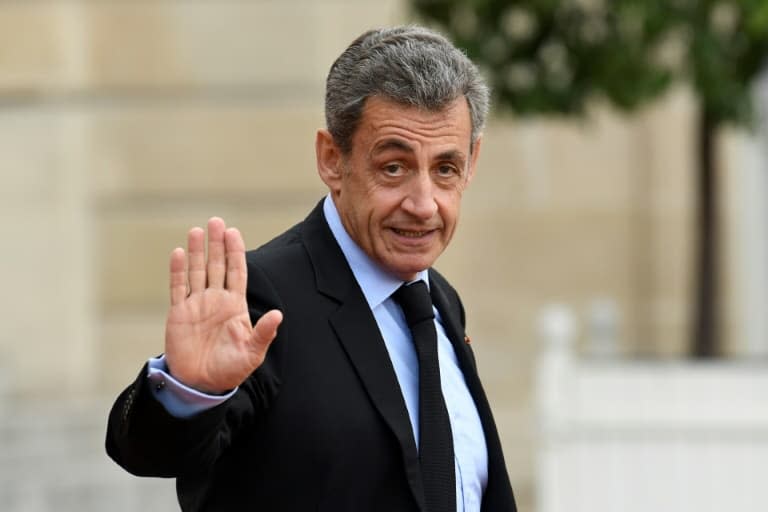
(553, 56)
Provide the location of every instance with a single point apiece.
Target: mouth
(411, 233)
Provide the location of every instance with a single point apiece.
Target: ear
(473, 159)
(329, 161)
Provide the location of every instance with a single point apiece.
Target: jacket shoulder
(449, 292)
(286, 243)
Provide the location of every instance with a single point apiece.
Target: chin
(408, 272)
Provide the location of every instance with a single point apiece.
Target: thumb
(265, 329)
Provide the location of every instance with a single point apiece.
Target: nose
(419, 200)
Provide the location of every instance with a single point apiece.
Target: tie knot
(415, 301)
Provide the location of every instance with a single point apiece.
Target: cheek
(448, 204)
(382, 203)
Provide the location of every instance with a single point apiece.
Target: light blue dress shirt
(470, 451)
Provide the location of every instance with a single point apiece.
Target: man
(348, 393)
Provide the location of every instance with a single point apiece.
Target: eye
(448, 171)
(394, 169)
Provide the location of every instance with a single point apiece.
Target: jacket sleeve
(146, 440)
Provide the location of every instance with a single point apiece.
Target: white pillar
(554, 377)
(753, 230)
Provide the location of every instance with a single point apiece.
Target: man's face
(399, 189)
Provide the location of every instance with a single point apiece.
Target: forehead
(384, 118)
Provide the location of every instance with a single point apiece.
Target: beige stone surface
(126, 340)
(134, 247)
(543, 164)
(46, 337)
(60, 46)
(208, 150)
(669, 150)
(32, 54)
(146, 44)
(737, 234)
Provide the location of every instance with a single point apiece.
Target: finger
(178, 276)
(216, 256)
(265, 329)
(196, 257)
(237, 272)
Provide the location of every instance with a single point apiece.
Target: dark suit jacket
(322, 424)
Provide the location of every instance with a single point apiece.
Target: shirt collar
(377, 284)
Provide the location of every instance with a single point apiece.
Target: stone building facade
(123, 123)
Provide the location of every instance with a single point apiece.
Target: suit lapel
(357, 330)
(450, 313)
(361, 339)
(498, 494)
(451, 316)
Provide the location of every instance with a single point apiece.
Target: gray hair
(410, 65)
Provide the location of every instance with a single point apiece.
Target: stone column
(753, 230)
(46, 341)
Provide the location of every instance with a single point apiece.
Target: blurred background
(612, 254)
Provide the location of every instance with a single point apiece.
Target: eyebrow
(454, 155)
(388, 144)
(398, 144)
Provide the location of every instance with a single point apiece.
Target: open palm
(210, 344)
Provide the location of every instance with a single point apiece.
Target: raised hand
(210, 344)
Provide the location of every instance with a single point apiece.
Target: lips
(410, 233)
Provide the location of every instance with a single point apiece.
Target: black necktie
(435, 440)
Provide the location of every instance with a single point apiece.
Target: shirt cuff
(179, 400)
